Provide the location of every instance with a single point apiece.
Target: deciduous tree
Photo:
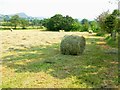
(24, 23)
(15, 20)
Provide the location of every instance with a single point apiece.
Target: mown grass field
(32, 59)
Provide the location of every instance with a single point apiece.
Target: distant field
(32, 59)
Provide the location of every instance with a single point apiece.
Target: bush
(72, 45)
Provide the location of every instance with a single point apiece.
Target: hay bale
(61, 30)
(90, 31)
(72, 45)
(11, 29)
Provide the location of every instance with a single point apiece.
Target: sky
(88, 9)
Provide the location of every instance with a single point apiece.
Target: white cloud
(75, 8)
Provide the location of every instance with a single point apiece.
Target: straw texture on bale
(72, 45)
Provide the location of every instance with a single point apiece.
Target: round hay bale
(72, 45)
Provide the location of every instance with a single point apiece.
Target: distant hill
(21, 15)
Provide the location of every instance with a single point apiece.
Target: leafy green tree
(116, 13)
(55, 22)
(6, 18)
(59, 22)
(110, 24)
(44, 22)
(118, 25)
(76, 26)
(35, 22)
(6, 21)
(85, 25)
(15, 20)
(67, 23)
(24, 23)
(94, 26)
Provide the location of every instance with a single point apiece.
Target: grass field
(32, 59)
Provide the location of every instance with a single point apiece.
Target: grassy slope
(44, 66)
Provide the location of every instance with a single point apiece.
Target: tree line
(67, 23)
(16, 21)
(55, 23)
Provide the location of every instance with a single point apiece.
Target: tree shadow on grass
(93, 67)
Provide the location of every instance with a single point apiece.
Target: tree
(94, 25)
(67, 23)
(116, 13)
(6, 18)
(15, 20)
(35, 22)
(118, 25)
(110, 23)
(59, 22)
(44, 22)
(55, 22)
(85, 25)
(76, 26)
(101, 20)
(24, 23)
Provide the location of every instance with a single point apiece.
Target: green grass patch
(46, 67)
(111, 42)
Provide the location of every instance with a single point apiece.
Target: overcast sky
(89, 9)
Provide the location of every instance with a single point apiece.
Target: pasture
(32, 59)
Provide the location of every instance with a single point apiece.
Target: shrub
(72, 45)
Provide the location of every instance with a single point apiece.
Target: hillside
(21, 15)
